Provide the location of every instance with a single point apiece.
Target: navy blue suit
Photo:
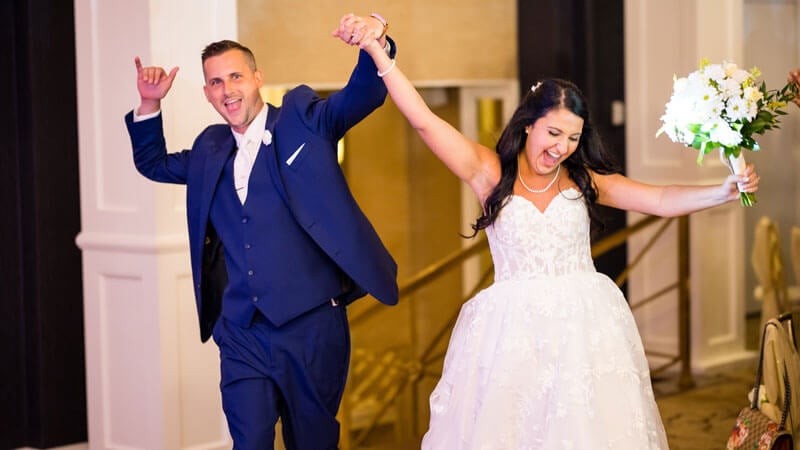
(272, 276)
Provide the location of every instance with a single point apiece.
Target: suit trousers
(296, 372)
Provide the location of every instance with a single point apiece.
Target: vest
(273, 265)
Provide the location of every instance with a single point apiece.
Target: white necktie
(243, 165)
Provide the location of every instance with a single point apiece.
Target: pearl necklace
(538, 191)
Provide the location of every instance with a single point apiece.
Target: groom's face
(232, 88)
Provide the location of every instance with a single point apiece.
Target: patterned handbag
(753, 429)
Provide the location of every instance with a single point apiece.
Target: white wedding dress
(549, 356)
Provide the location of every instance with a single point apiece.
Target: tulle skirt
(552, 363)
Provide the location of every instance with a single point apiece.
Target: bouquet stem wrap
(737, 164)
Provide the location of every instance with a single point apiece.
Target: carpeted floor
(701, 418)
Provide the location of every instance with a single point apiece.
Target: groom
(278, 244)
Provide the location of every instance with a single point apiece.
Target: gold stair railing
(383, 379)
(681, 285)
(396, 373)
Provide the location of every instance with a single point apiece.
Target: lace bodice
(527, 243)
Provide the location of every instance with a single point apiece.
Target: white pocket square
(294, 155)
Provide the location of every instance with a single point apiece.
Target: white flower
(740, 76)
(737, 109)
(710, 103)
(267, 139)
(679, 84)
(762, 395)
(730, 88)
(752, 94)
(730, 68)
(715, 72)
(719, 131)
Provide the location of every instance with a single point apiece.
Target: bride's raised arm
(476, 164)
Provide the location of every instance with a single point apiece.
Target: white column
(663, 39)
(151, 384)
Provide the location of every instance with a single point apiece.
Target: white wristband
(386, 72)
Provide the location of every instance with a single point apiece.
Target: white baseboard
(80, 446)
(712, 364)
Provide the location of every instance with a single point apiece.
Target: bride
(548, 356)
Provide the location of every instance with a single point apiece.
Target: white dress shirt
(248, 145)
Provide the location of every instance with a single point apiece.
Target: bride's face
(552, 139)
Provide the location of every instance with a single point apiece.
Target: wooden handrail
(424, 276)
(619, 237)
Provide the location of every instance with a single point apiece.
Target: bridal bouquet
(720, 106)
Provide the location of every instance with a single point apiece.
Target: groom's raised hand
(153, 84)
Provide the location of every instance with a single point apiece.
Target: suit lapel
(218, 153)
(271, 155)
(217, 156)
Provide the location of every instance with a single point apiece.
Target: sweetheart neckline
(547, 208)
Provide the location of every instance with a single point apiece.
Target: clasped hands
(360, 31)
(794, 77)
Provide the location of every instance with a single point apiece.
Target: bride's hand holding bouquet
(720, 106)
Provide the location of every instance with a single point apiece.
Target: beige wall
(436, 39)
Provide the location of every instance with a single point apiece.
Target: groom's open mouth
(233, 105)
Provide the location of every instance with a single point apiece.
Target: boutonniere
(267, 139)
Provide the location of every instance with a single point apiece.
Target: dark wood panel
(43, 389)
(581, 41)
(12, 375)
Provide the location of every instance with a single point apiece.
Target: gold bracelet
(383, 22)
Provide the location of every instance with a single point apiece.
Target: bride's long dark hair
(591, 154)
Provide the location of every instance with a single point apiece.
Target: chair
(795, 255)
(775, 296)
(781, 359)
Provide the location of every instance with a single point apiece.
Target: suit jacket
(303, 164)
